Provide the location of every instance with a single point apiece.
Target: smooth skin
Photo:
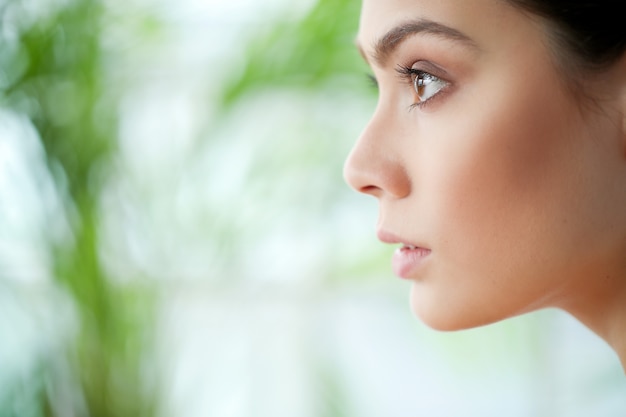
(514, 179)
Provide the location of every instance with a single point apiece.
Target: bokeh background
(176, 238)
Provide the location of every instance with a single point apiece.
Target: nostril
(370, 189)
(360, 180)
(387, 178)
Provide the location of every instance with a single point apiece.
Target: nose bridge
(375, 165)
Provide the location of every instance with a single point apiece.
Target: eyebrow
(386, 45)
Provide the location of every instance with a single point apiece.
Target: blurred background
(176, 238)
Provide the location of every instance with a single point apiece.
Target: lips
(408, 260)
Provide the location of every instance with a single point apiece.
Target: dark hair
(587, 35)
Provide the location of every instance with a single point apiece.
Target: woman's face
(498, 186)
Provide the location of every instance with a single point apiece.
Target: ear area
(620, 80)
(611, 98)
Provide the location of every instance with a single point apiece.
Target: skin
(515, 184)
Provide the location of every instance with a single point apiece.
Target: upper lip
(389, 237)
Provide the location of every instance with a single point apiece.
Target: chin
(446, 323)
(439, 316)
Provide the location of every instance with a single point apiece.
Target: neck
(605, 314)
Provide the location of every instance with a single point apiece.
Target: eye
(425, 84)
(372, 81)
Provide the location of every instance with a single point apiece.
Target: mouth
(414, 249)
(408, 259)
(388, 237)
(408, 247)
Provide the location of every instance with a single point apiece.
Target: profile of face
(501, 186)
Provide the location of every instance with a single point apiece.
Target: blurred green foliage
(53, 72)
(302, 55)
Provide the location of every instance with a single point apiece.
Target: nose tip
(359, 179)
(370, 171)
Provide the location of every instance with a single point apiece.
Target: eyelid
(421, 67)
(430, 68)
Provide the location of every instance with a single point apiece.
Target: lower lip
(406, 262)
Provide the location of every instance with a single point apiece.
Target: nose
(375, 165)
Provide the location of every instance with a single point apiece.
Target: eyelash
(411, 75)
(372, 81)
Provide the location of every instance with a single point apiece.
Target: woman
(497, 153)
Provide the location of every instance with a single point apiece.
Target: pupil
(420, 84)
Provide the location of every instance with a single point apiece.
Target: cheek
(500, 172)
(503, 182)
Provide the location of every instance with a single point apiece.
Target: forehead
(481, 21)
